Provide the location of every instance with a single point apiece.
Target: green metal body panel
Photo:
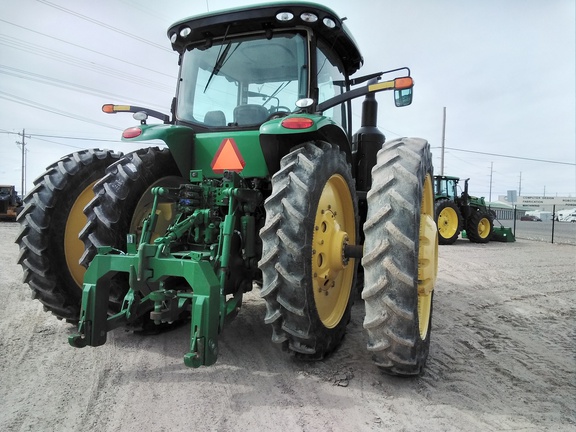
(503, 234)
(477, 202)
(206, 146)
(274, 127)
(196, 151)
(178, 138)
(193, 151)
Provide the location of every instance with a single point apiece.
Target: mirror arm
(353, 94)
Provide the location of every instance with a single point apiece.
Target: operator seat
(215, 118)
(250, 114)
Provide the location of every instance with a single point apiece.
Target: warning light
(113, 109)
(132, 132)
(228, 158)
(297, 122)
(403, 83)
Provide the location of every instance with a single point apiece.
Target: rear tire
(122, 200)
(310, 216)
(49, 225)
(400, 257)
(448, 219)
(480, 227)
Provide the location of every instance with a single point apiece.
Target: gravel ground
(502, 357)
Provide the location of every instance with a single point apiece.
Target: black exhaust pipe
(367, 141)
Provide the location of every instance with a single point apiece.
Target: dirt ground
(502, 357)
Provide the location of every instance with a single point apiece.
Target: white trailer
(567, 215)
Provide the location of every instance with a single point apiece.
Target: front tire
(310, 216)
(50, 222)
(400, 257)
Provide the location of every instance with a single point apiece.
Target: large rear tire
(122, 200)
(448, 219)
(480, 227)
(50, 222)
(400, 257)
(310, 217)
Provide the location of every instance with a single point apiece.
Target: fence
(546, 230)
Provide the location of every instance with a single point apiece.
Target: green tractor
(455, 213)
(262, 184)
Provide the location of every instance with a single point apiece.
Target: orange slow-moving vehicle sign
(228, 157)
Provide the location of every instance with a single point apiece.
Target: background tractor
(10, 202)
(455, 213)
(262, 183)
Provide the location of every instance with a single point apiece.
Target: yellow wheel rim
(166, 211)
(334, 228)
(447, 223)
(484, 228)
(73, 246)
(427, 257)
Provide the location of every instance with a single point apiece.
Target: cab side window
(330, 80)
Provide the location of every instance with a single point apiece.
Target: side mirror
(403, 97)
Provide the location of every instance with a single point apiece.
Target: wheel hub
(334, 229)
(328, 252)
(483, 228)
(447, 222)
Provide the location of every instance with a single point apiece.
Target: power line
(74, 138)
(73, 60)
(54, 142)
(32, 104)
(511, 157)
(87, 49)
(101, 24)
(33, 135)
(43, 79)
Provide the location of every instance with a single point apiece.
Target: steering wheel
(278, 112)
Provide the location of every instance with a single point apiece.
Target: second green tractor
(456, 213)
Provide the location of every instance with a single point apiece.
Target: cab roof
(264, 17)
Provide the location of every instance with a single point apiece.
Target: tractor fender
(276, 140)
(178, 138)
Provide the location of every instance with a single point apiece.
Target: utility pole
(491, 166)
(520, 185)
(22, 144)
(443, 142)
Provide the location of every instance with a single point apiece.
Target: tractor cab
(446, 187)
(269, 63)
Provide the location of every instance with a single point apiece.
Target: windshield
(242, 81)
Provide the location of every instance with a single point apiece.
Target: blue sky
(504, 70)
